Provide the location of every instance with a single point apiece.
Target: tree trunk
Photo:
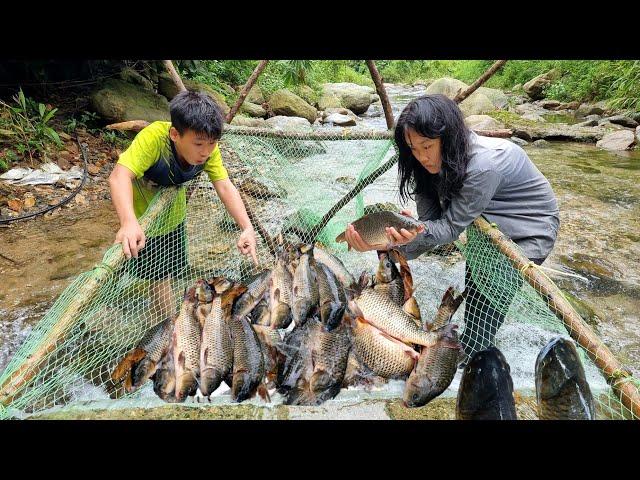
(384, 99)
(479, 82)
(174, 75)
(245, 90)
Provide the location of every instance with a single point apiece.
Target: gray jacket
(505, 186)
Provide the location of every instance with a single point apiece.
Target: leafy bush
(28, 121)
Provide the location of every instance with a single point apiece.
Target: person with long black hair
(455, 176)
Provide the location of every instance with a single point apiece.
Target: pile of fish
(308, 328)
(305, 329)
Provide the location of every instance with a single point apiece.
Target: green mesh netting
(300, 183)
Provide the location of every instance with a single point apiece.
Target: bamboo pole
(612, 369)
(245, 90)
(479, 82)
(382, 92)
(174, 75)
(86, 293)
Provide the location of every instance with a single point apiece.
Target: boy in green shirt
(165, 154)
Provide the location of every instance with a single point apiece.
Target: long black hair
(433, 116)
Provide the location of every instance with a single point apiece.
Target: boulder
(549, 104)
(243, 121)
(340, 120)
(533, 117)
(129, 75)
(253, 110)
(588, 123)
(255, 95)
(495, 96)
(535, 87)
(519, 141)
(341, 111)
(638, 135)
(356, 98)
(169, 89)
(623, 120)
(119, 101)
(286, 103)
(327, 101)
(476, 104)
(606, 123)
(226, 88)
(621, 140)
(585, 110)
(569, 106)
(636, 116)
(423, 83)
(482, 122)
(541, 144)
(289, 123)
(308, 95)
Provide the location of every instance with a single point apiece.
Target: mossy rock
(287, 103)
(169, 89)
(120, 101)
(377, 207)
(253, 110)
(129, 75)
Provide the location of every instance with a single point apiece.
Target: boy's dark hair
(196, 111)
(433, 116)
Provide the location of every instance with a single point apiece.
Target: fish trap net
(305, 185)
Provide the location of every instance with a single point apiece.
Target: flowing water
(598, 243)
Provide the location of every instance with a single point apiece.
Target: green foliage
(28, 121)
(4, 166)
(87, 120)
(295, 72)
(115, 138)
(626, 93)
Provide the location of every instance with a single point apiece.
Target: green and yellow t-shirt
(152, 158)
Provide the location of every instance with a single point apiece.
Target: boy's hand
(247, 243)
(132, 239)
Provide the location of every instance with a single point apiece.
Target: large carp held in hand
(306, 328)
(371, 228)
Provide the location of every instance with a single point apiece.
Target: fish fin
(341, 238)
(263, 391)
(181, 360)
(229, 296)
(411, 307)
(407, 349)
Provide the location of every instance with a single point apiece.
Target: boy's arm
(130, 234)
(232, 201)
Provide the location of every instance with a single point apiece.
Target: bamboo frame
(612, 369)
(245, 90)
(83, 298)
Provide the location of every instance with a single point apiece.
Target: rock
(482, 122)
(569, 106)
(636, 116)
(356, 98)
(253, 110)
(476, 104)
(243, 121)
(327, 101)
(517, 87)
(308, 95)
(541, 144)
(15, 204)
(255, 95)
(289, 123)
(168, 88)
(585, 110)
(535, 87)
(623, 120)
(638, 135)
(341, 111)
(65, 136)
(375, 98)
(588, 123)
(340, 120)
(534, 117)
(29, 201)
(256, 189)
(423, 83)
(349, 181)
(621, 140)
(519, 141)
(286, 103)
(227, 89)
(593, 117)
(119, 101)
(549, 104)
(606, 123)
(131, 76)
(93, 169)
(376, 207)
(495, 96)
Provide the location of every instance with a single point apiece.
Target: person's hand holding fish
(381, 231)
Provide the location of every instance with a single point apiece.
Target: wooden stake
(478, 83)
(382, 92)
(174, 75)
(611, 368)
(245, 90)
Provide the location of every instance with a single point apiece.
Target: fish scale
(256, 289)
(383, 313)
(280, 295)
(248, 360)
(305, 290)
(332, 298)
(156, 341)
(335, 265)
(371, 228)
(381, 355)
(216, 351)
(186, 339)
